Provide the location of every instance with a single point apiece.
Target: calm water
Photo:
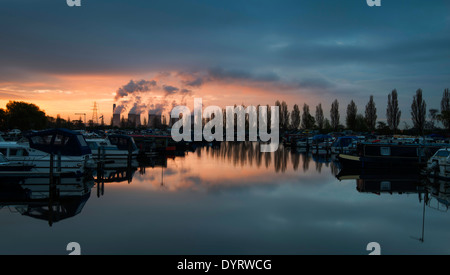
(231, 200)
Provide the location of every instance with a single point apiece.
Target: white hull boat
(68, 150)
(439, 165)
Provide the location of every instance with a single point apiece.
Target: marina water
(232, 199)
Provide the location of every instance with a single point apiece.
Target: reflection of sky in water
(221, 204)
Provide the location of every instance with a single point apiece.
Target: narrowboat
(389, 156)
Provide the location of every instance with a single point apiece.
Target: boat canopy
(344, 141)
(123, 142)
(442, 154)
(64, 141)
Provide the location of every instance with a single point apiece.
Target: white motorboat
(439, 165)
(344, 145)
(69, 150)
(6, 165)
(115, 150)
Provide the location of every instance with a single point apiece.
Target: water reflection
(232, 165)
(34, 197)
(248, 154)
(286, 202)
(432, 193)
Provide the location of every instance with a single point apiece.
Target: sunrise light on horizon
(227, 53)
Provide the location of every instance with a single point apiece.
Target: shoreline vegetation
(28, 116)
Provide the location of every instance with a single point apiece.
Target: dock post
(59, 171)
(420, 155)
(51, 170)
(129, 158)
(51, 190)
(58, 163)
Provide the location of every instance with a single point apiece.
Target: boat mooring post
(130, 152)
(51, 189)
(58, 163)
(100, 164)
(59, 171)
(51, 170)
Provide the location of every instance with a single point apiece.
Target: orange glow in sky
(67, 95)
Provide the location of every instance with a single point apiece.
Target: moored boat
(6, 165)
(344, 145)
(114, 147)
(68, 150)
(439, 165)
(388, 156)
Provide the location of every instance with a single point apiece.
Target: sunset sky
(147, 54)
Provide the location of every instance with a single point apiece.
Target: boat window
(4, 151)
(81, 140)
(93, 145)
(2, 158)
(18, 153)
(385, 151)
(443, 154)
(120, 142)
(61, 140)
(42, 140)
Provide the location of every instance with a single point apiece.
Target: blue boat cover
(64, 141)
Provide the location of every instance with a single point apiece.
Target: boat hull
(390, 163)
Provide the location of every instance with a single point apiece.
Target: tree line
(26, 116)
(422, 118)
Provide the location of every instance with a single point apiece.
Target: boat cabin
(123, 142)
(64, 141)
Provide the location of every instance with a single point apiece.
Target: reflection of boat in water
(433, 193)
(322, 157)
(377, 181)
(440, 194)
(117, 175)
(36, 198)
(371, 181)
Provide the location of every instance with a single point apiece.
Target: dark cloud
(186, 92)
(194, 83)
(135, 87)
(316, 83)
(253, 41)
(170, 90)
(233, 75)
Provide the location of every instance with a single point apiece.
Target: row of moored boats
(65, 151)
(386, 155)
